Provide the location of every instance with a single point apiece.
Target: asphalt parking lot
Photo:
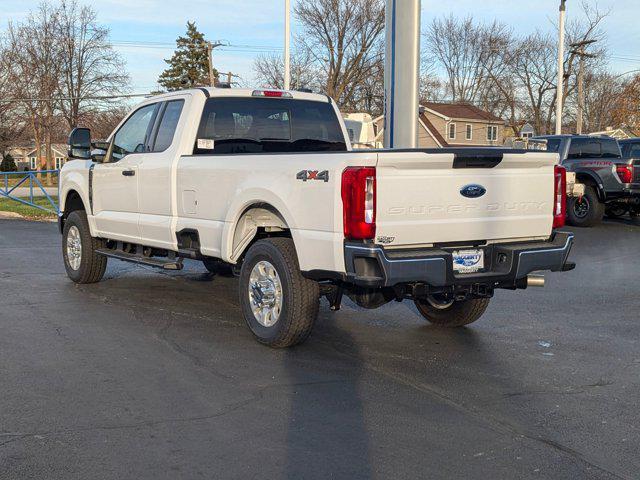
(154, 375)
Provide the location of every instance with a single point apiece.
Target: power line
(57, 99)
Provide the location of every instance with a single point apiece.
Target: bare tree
(35, 59)
(467, 51)
(535, 70)
(626, 110)
(89, 67)
(343, 38)
(602, 91)
(269, 70)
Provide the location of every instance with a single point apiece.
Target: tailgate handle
(476, 160)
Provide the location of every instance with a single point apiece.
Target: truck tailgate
(420, 196)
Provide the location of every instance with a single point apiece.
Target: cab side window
(132, 135)
(168, 124)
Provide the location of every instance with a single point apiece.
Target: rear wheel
(279, 305)
(585, 211)
(82, 263)
(451, 313)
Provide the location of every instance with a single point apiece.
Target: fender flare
(259, 198)
(602, 195)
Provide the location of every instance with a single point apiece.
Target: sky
(144, 31)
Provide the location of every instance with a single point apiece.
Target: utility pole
(210, 47)
(230, 77)
(287, 41)
(559, 93)
(578, 50)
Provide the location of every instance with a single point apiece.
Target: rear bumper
(629, 193)
(505, 264)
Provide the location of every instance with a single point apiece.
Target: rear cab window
(593, 148)
(630, 149)
(234, 125)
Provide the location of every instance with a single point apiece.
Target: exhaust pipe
(535, 281)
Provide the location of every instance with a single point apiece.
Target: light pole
(401, 73)
(559, 93)
(287, 41)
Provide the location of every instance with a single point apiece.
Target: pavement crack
(566, 391)
(126, 426)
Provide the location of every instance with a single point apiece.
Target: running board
(165, 264)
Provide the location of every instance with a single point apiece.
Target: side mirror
(99, 152)
(79, 144)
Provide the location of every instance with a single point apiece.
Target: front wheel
(585, 211)
(81, 261)
(279, 304)
(451, 313)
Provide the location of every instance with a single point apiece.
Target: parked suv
(598, 164)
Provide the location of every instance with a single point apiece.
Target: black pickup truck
(628, 168)
(611, 180)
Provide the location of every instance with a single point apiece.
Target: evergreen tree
(7, 164)
(189, 65)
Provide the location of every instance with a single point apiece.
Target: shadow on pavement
(327, 433)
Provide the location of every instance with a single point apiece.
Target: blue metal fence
(27, 180)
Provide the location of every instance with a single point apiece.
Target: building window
(33, 163)
(469, 131)
(492, 133)
(58, 163)
(452, 131)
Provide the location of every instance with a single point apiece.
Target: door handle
(128, 173)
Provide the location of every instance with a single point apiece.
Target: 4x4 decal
(305, 175)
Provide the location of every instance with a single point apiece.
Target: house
(527, 131)
(26, 157)
(458, 125)
(617, 133)
(454, 125)
(19, 155)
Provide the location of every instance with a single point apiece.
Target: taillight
(359, 202)
(559, 196)
(625, 173)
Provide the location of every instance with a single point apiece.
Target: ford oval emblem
(473, 191)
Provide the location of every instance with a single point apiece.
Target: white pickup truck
(265, 183)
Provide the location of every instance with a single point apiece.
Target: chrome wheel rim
(74, 248)
(265, 293)
(439, 302)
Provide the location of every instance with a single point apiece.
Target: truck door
(155, 181)
(115, 183)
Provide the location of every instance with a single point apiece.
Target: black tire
(218, 267)
(92, 265)
(586, 211)
(299, 296)
(456, 314)
(615, 211)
